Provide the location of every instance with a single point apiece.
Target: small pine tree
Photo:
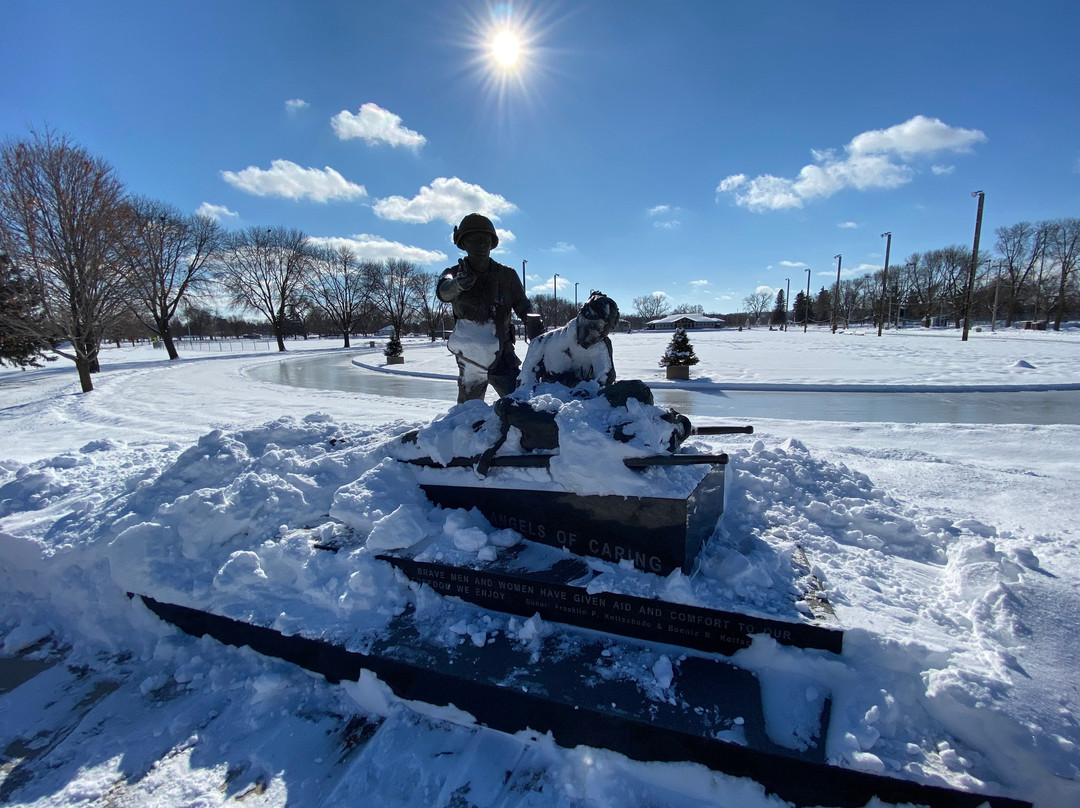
(679, 351)
(393, 346)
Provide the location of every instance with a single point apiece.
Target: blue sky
(697, 149)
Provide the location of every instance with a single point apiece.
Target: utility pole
(575, 293)
(806, 303)
(836, 296)
(524, 261)
(884, 282)
(974, 263)
(555, 296)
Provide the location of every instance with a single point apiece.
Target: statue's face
(477, 244)
(589, 331)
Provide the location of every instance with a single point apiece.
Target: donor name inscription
(642, 618)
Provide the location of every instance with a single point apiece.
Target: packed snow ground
(949, 552)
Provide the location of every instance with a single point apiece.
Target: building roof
(674, 318)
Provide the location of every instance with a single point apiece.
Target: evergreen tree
(803, 309)
(679, 351)
(20, 345)
(823, 304)
(779, 315)
(393, 346)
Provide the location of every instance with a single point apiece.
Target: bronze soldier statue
(483, 294)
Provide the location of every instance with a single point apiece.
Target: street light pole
(787, 302)
(974, 263)
(997, 290)
(884, 282)
(575, 293)
(555, 296)
(806, 303)
(524, 261)
(836, 296)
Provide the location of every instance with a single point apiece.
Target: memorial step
(529, 579)
(711, 713)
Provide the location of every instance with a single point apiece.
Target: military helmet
(601, 307)
(473, 223)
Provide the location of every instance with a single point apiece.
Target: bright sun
(506, 48)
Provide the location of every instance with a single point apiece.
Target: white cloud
(668, 222)
(920, 135)
(294, 106)
(942, 170)
(216, 212)
(847, 225)
(562, 247)
(699, 284)
(446, 199)
(287, 179)
(376, 248)
(375, 125)
(793, 264)
(876, 159)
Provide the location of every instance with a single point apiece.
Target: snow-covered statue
(578, 351)
(574, 364)
(568, 414)
(483, 293)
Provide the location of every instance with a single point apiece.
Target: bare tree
(338, 286)
(554, 311)
(62, 212)
(432, 311)
(394, 291)
(688, 308)
(1064, 246)
(757, 303)
(651, 307)
(167, 255)
(1021, 245)
(264, 270)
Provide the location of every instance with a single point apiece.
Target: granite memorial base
(658, 534)
(711, 713)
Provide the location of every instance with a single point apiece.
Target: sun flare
(506, 48)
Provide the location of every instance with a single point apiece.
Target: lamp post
(997, 290)
(836, 295)
(555, 296)
(806, 303)
(787, 302)
(524, 261)
(1038, 283)
(575, 293)
(884, 282)
(974, 263)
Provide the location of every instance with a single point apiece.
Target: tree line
(82, 261)
(1031, 276)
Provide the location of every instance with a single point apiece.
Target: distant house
(687, 321)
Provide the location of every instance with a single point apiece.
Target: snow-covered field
(949, 552)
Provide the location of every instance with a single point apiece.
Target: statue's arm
(454, 281)
(609, 377)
